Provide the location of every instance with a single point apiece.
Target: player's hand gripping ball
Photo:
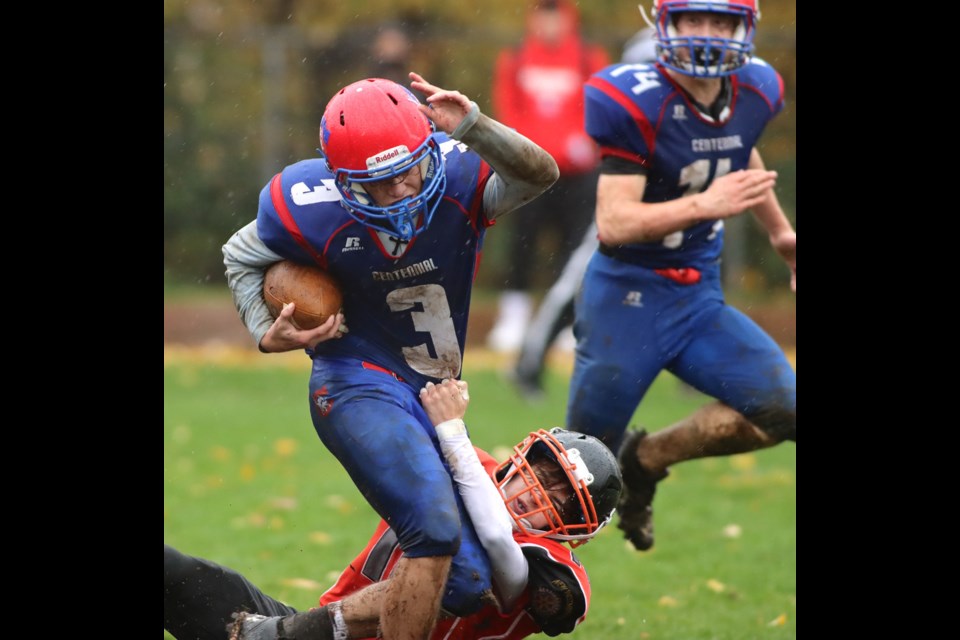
(314, 291)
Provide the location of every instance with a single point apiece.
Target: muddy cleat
(636, 502)
(252, 626)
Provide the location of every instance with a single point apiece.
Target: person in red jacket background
(538, 90)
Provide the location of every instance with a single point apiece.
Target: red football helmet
(585, 463)
(705, 57)
(372, 130)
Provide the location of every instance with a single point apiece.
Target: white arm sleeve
(485, 505)
(246, 258)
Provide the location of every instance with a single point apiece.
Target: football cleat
(636, 502)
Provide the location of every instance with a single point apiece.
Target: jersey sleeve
(758, 76)
(276, 225)
(269, 226)
(558, 586)
(614, 122)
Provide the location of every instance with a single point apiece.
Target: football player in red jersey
(557, 486)
(397, 211)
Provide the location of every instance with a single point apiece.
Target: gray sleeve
(523, 169)
(246, 258)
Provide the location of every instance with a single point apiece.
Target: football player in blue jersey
(678, 141)
(396, 210)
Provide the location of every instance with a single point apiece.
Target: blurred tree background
(245, 83)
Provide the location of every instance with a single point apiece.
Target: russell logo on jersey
(352, 244)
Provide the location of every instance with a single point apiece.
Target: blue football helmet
(711, 57)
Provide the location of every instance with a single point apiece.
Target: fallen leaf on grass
(285, 446)
(743, 461)
(220, 453)
(301, 583)
(716, 586)
(339, 504)
(287, 503)
(320, 537)
(779, 621)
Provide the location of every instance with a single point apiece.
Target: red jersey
(547, 558)
(538, 90)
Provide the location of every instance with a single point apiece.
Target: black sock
(314, 624)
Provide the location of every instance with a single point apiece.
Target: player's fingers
(751, 202)
(767, 181)
(342, 327)
(760, 188)
(422, 85)
(328, 330)
(288, 309)
(329, 324)
(450, 97)
(450, 389)
(748, 177)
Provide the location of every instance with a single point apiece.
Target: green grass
(247, 483)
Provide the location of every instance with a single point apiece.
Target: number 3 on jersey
(434, 319)
(694, 178)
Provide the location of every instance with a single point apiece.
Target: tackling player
(557, 486)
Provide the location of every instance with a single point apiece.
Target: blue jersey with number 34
(636, 112)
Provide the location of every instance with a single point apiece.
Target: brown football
(315, 292)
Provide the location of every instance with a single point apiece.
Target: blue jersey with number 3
(406, 304)
(636, 112)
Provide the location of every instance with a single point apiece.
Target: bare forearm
(361, 610)
(643, 222)
(769, 213)
(622, 218)
(771, 216)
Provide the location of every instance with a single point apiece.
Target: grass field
(247, 483)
